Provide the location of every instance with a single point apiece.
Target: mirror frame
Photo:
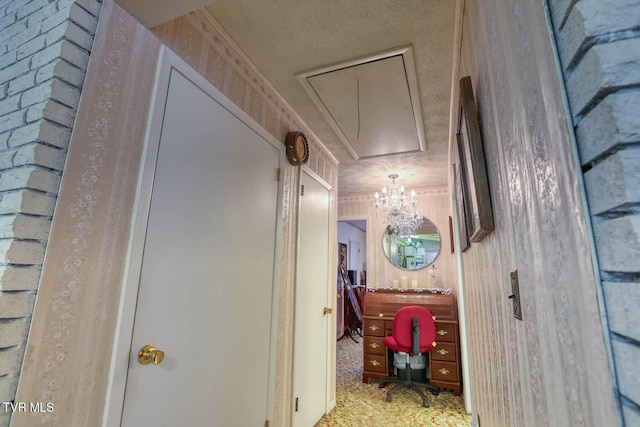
(427, 223)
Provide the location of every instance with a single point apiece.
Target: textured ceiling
(286, 37)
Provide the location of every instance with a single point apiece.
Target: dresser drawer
(445, 332)
(444, 371)
(374, 327)
(445, 351)
(374, 345)
(375, 363)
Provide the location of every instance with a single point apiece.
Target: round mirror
(414, 251)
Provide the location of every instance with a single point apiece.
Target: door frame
(168, 61)
(368, 243)
(330, 402)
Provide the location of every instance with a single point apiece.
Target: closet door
(311, 326)
(206, 282)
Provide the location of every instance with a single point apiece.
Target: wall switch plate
(515, 295)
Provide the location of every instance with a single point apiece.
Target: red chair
(413, 332)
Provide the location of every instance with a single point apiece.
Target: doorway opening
(352, 258)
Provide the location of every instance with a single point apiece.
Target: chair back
(402, 328)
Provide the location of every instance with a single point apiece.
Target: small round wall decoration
(297, 148)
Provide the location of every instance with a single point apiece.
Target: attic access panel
(371, 103)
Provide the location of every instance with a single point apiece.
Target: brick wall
(599, 47)
(44, 51)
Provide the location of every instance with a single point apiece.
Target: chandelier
(397, 211)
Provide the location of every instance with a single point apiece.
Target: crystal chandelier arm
(396, 210)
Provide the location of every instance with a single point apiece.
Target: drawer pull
(374, 345)
(442, 332)
(375, 363)
(444, 371)
(373, 328)
(442, 351)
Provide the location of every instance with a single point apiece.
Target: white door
(311, 324)
(206, 282)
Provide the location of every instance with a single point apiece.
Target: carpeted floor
(363, 405)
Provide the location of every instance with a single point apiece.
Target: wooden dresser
(379, 309)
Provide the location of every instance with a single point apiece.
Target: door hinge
(296, 404)
(266, 423)
(302, 191)
(279, 174)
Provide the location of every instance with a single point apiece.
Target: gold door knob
(150, 354)
(326, 311)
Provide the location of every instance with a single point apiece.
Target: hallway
(547, 296)
(363, 405)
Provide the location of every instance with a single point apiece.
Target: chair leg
(383, 383)
(399, 386)
(434, 390)
(415, 388)
(408, 383)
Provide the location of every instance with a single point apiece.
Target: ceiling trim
(412, 82)
(362, 197)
